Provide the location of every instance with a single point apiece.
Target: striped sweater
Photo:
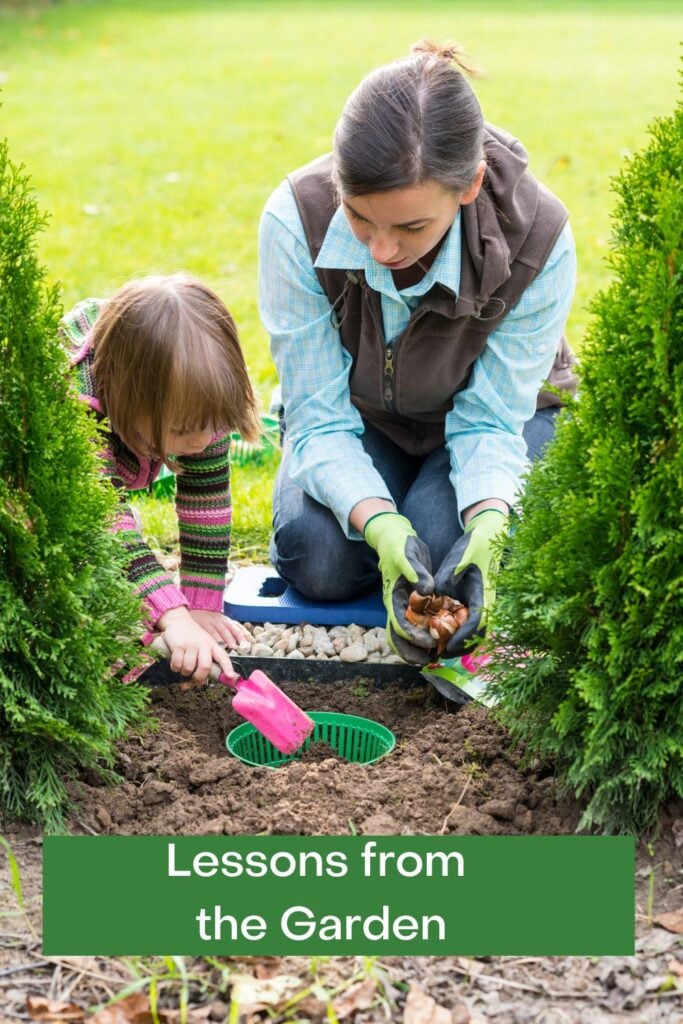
(203, 503)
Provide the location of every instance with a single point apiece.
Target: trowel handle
(216, 672)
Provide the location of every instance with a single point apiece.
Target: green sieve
(354, 739)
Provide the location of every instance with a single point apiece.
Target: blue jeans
(309, 549)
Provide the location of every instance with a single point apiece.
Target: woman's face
(401, 226)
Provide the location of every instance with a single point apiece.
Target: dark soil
(453, 771)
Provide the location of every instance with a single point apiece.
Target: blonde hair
(166, 352)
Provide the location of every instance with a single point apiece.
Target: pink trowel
(262, 703)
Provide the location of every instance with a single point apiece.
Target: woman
(415, 284)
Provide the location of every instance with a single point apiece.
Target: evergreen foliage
(591, 597)
(67, 610)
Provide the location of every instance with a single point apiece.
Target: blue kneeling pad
(258, 594)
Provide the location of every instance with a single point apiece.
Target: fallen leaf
(354, 998)
(673, 922)
(311, 1008)
(134, 1009)
(41, 1008)
(267, 967)
(250, 991)
(470, 967)
(675, 967)
(422, 1009)
(194, 1015)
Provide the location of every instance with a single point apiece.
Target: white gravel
(352, 644)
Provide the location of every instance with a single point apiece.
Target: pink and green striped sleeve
(204, 509)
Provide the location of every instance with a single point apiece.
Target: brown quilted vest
(406, 389)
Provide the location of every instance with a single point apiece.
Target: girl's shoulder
(75, 328)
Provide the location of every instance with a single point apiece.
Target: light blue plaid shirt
(484, 426)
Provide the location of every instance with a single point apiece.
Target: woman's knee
(320, 561)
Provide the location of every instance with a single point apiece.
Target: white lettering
(289, 861)
(211, 928)
(299, 923)
(336, 864)
(306, 926)
(410, 864)
(257, 864)
(205, 864)
(172, 870)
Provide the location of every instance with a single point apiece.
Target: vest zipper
(389, 352)
(389, 377)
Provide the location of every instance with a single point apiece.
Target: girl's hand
(220, 627)
(193, 648)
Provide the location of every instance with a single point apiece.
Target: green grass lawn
(154, 131)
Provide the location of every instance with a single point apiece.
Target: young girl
(161, 361)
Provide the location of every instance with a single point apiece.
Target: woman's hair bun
(450, 52)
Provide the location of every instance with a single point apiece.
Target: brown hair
(414, 120)
(166, 350)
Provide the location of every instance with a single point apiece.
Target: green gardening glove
(406, 565)
(468, 573)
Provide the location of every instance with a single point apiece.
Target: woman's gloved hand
(468, 573)
(406, 565)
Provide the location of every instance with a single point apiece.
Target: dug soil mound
(453, 771)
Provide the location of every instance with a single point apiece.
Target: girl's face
(401, 226)
(189, 443)
(177, 443)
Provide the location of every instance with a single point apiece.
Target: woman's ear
(473, 191)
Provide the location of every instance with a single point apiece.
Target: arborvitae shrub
(67, 610)
(591, 597)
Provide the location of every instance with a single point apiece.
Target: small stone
(338, 631)
(504, 810)
(380, 825)
(210, 771)
(156, 792)
(281, 645)
(373, 657)
(103, 817)
(292, 642)
(464, 821)
(355, 632)
(339, 643)
(393, 659)
(296, 654)
(257, 630)
(244, 647)
(353, 653)
(322, 643)
(270, 637)
(523, 821)
(372, 643)
(219, 1011)
(260, 650)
